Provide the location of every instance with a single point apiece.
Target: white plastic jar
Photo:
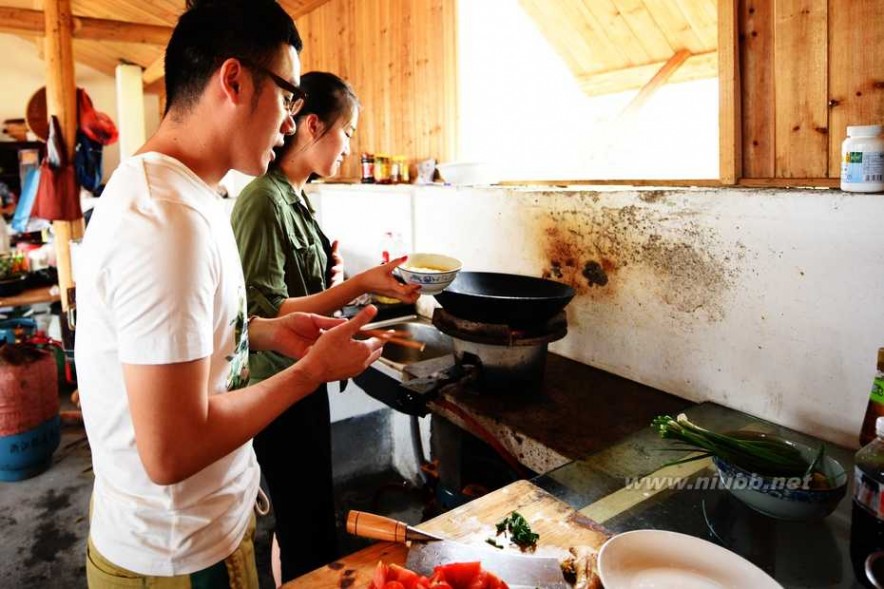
(862, 159)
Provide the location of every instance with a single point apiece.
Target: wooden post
(729, 94)
(61, 101)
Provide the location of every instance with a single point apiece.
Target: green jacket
(284, 254)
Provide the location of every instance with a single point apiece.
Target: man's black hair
(211, 31)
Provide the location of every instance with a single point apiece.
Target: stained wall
(767, 301)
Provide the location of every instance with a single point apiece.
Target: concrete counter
(580, 410)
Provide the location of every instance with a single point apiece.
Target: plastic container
(862, 159)
(867, 523)
(468, 173)
(29, 423)
(875, 408)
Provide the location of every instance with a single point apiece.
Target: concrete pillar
(130, 109)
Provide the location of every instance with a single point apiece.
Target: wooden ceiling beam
(696, 67)
(655, 83)
(155, 71)
(298, 8)
(22, 21)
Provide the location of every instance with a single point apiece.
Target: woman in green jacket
(290, 265)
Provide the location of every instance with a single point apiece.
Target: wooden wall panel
(800, 70)
(756, 59)
(730, 163)
(856, 70)
(809, 69)
(399, 57)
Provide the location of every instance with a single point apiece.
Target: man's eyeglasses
(293, 103)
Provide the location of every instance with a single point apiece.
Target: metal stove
(505, 358)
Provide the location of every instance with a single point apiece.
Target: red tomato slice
(407, 577)
(379, 579)
(394, 585)
(479, 581)
(460, 574)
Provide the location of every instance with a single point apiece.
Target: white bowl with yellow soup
(434, 272)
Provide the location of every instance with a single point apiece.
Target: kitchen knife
(428, 551)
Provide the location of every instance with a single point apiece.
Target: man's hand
(337, 268)
(380, 280)
(336, 355)
(291, 335)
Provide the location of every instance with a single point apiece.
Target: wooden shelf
(33, 296)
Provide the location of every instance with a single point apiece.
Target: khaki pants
(237, 571)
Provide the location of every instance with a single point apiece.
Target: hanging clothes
(58, 193)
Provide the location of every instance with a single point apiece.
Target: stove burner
(497, 334)
(510, 360)
(487, 358)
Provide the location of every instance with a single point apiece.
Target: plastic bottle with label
(875, 408)
(392, 247)
(867, 522)
(862, 159)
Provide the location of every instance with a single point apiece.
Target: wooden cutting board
(559, 526)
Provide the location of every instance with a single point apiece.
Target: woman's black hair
(329, 98)
(211, 31)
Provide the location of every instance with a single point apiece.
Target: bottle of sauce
(367, 161)
(867, 523)
(875, 408)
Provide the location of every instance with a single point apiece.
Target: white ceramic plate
(657, 559)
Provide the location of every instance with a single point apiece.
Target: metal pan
(512, 299)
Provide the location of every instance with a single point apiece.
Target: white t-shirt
(159, 281)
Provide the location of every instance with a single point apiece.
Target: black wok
(511, 299)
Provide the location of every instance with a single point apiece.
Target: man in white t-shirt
(162, 335)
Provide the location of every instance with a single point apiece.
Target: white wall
(521, 108)
(768, 301)
(23, 72)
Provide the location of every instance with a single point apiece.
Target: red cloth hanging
(58, 194)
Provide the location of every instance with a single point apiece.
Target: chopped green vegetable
(493, 542)
(520, 532)
(762, 454)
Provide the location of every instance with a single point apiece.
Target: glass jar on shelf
(381, 168)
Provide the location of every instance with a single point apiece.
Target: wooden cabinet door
(808, 69)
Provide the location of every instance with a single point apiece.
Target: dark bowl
(13, 286)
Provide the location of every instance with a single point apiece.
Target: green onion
(767, 456)
(519, 530)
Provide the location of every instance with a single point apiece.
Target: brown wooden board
(558, 525)
(856, 71)
(801, 74)
(399, 56)
(757, 104)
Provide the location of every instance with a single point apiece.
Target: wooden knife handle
(378, 527)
